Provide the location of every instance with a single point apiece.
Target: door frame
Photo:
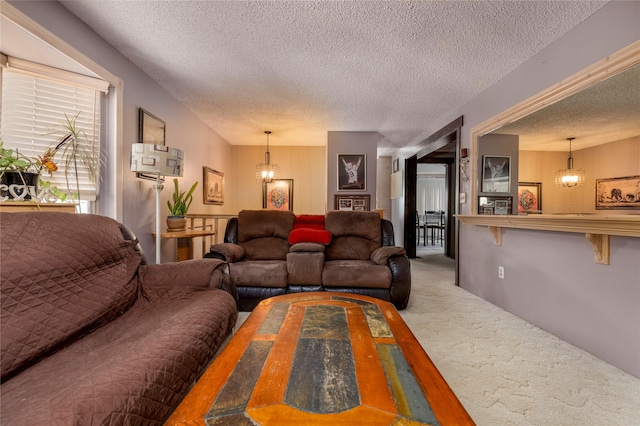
(428, 153)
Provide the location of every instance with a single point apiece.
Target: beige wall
(306, 165)
(615, 159)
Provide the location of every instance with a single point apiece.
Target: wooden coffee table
(321, 358)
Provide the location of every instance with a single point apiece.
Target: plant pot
(176, 223)
(13, 188)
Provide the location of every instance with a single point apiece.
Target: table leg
(185, 249)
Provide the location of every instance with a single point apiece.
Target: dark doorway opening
(442, 147)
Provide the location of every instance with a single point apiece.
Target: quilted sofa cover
(92, 335)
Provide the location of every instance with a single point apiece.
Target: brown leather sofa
(359, 256)
(90, 334)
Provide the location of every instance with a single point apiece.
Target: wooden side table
(28, 206)
(185, 241)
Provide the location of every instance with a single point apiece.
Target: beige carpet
(504, 370)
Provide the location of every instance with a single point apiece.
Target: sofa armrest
(400, 281)
(227, 251)
(179, 279)
(306, 248)
(380, 256)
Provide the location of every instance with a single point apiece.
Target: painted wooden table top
(322, 358)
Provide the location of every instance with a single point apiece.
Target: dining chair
(441, 227)
(432, 223)
(420, 228)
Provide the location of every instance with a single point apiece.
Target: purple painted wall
(551, 279)
(201, 144)
(352, 143)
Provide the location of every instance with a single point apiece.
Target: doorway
(440, 148)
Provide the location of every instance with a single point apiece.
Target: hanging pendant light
(570, 177)
(267, 171)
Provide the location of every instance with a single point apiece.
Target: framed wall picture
(277, 194)
(353, 202)
(352, 172)
(496, 173)
(494, 205)
(396, 185)
(618, 193)
(501, 207)
(150, 130)
(396, 165)
(529, 197)
(213, 188)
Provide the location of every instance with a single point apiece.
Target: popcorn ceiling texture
(302, 68)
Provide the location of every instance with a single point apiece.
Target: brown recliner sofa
(90, 334)
(268, 254)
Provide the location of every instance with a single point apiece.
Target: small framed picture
(501, 207)
(353, 202)
(278, 194)
(352, 172)
(529, 197)
(494, 205)
(150, 130)
(345, 204)
(496, 173)
(396, 165)
(213, 191)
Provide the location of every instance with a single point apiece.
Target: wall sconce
(464, 162)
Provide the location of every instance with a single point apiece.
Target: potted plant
(76, 154)
(18, 175)
(178, 207)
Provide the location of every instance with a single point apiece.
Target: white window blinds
(33, 111)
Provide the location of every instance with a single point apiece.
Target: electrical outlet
(501, 272)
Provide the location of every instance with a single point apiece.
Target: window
(34, 107)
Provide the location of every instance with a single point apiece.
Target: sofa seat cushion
(259, 273)
(355, 273)
(77, 275)
(134, 370)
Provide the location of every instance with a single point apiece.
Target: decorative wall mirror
(596, 106)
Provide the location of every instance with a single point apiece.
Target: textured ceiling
(605, 112)
(302, 68)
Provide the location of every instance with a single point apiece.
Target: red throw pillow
(307, 235)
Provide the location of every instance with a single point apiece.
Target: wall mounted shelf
(597, 229)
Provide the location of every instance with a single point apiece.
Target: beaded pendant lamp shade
(570, 177)
(267, 171)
